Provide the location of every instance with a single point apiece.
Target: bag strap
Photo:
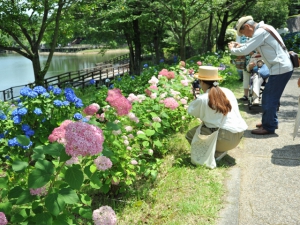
(271, 32)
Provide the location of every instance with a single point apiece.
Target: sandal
(244, 98)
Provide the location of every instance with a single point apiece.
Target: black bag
(294, 58)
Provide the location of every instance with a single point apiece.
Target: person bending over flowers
(211, 106)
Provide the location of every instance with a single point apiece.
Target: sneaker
(244, 98)
(218, 157)
(255, 101)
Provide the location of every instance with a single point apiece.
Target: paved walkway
(264, 183)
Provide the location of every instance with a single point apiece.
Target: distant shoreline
(89, 52)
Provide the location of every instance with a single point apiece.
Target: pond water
(17, 70)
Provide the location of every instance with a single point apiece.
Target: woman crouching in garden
(216, 107)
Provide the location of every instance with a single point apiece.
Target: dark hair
(217, 100)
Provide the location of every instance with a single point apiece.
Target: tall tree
(232, 11)
(26, 22)
(185, 15)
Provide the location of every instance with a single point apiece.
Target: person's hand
(251, 65)
(233, 44)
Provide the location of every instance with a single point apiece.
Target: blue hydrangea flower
(7, 157)
(17, 119)
(85, 120)
(77, 116)
(111, 86)
(79, 104)
(2, 115)
(13, 142)
(161, 61)
(22, 111)
(66, 103)
(20, 104)
(46, 94)
(69, 90)
(132, 77)
(119, 79)
(92, 81)
(58, 103)
(29, 133)
(32, 94)
(14, 112)
(1, 136)
(25, 127)
(70, 97)
(26, 147)
(24, 91)
(107, 80)
(37, 111)
(56, 91)
(146, 65)
(39, 89)
(50, 88)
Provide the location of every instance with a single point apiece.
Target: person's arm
(256, 41)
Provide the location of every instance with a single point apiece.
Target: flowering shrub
(56, 149)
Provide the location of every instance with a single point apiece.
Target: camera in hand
(196, 84)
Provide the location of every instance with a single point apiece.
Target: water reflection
(17, 70)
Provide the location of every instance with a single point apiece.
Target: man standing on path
(275, 57)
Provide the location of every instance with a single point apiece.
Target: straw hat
(240, 22)
(208, 73)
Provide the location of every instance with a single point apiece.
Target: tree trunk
(221, 38)
(182, 47)
(137, 47)
(209, 33)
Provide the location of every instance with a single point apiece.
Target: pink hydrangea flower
(183, 101)
(171, 103)
(156, 119)
(132, 98)
(130, 136)
(128, 148)
(105, 215)
(91, 109)
(3, 220)
(182, 63)
(103, 163)
(134, 162)
(148, 90)
(153, 81)
(164, 72)
(117, 132)
(119, 102)
(199, 63)
(150, 152)
(73, 160)
(79, 138)
(184, 83)
(58, 134)
(128, 128)
(38, 191)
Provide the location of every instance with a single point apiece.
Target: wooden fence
(77, 79)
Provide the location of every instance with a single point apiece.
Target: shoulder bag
(293, 55)
(203, 148)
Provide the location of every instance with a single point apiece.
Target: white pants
(256, 84)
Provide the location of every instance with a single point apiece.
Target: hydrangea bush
(57, 150)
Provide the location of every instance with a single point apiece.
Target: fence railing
(81, 78)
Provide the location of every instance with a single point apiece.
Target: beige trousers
(226, 139)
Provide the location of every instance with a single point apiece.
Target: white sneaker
(221, 156)
(255, 101)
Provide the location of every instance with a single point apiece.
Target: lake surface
(17, 70)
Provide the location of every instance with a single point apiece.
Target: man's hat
(240, 23)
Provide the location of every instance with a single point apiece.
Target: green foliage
(292, 41)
